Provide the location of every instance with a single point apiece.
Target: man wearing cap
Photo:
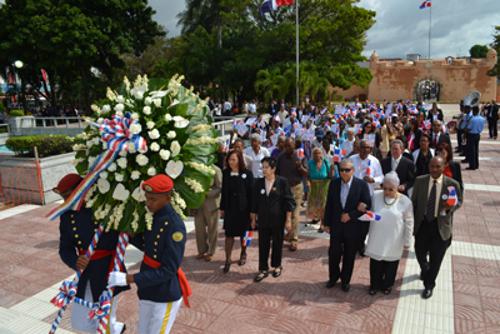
(77, 229)
(161, 284)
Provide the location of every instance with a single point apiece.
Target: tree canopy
(229, 49)
(478, 51)
(67, 38)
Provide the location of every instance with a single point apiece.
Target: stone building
(445, 80)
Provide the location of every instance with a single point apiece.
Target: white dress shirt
(344, 191)
(439, 186)
(395, 163)
(255, 158)
(360, 168)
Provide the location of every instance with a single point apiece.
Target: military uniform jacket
(165, 244)
(76, 232)
(271, 209)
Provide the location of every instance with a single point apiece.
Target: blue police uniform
(164, 244)
(77, 230)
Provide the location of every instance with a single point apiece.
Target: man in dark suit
(433, 220)
(404, 167)
(345, 195)
(438, 136)
(492, 116)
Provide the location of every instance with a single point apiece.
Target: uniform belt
(185, 288)
(99, 254)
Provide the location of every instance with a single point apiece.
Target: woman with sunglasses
(388, 235)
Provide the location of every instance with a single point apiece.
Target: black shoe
(387, 291)
(464, 161)
(227, 265)
(330, 284)
(260, 276)
(470, 168)
(123, 329)
(243, 259)
(427, 293)
(277, 272)
(346, 287)
(372, 291)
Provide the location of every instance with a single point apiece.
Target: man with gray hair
(256, 153)
(404, 167)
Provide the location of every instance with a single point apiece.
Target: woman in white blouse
(389, 235)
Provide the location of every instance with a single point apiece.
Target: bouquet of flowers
(136, 133)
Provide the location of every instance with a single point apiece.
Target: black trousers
(473, 150)
(382, 274)
(460, 147)
(493, 127)
(428, 241)
(342, 247)
(270, 237)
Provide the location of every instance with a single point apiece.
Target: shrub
(47, 145)
(16, 113)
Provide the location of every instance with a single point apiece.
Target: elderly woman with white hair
(388, 234)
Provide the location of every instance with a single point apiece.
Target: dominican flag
(247, 239)
(368, 170)
(338, 154)
(370, 216)
(452, 198)
(425, 4)
(269, 6)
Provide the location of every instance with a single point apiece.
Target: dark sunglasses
(345, 170)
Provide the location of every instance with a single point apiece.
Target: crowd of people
(345, 167)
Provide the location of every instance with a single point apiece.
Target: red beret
(158, 184)
(68, 182)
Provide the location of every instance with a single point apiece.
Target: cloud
(457, 25)
(166, 14)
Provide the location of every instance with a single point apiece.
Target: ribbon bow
(102, 308)
(67, 292)
(117, 133)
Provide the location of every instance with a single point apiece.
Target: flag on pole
(426, 4)
(269, 6)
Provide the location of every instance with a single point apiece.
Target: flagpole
(430, 29)
(297, 57)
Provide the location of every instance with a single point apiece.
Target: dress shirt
(476, 125)
(255, 160)
(375, 170)
(439, 186)
(344, 191)
(395, 163)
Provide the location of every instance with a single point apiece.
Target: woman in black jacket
(235, 205)
(451, 168)
(272, 208)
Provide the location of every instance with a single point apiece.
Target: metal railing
(4, 128)
(65, 122)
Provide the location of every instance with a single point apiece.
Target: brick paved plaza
(466, 299)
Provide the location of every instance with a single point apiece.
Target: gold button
(74, 228)
(161, 229)
(156, 243)
(154, 256)
(79, 242)
(76, 236)
(158, 236)
(72, 222)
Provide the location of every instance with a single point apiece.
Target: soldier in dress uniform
(77, 230)
(161, 284)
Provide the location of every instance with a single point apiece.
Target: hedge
(47, 145)
(16, 113)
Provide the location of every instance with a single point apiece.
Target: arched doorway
(427, 90)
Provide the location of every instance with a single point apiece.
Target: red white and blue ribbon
(370, 216)
(115, 133)
(452, 197)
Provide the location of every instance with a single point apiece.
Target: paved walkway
(466, 299)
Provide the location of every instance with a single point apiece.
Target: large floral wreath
(154, 131)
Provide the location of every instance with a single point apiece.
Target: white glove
(117, 278)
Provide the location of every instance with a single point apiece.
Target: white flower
(202, 168)
(168, 117)
(155, 147)
(112, 167)
(175, 148)
(180, 122)
(91, 161)
(134, 116)
(143, 149)
(151, 171)
(103, 175)
(120, 193)
(127, 83)
(138, 194)
(158, 94)
(148, 100)
(146, 110)
(79, 147)
(122, 162)
(100, 120)
(157, 103)
(150, 124)
(171, 135)
(174, 168)
(110, 94)
(120, 99)
(106, 108)
(135, 175)
(96, 141)
(119, 108)
(95, 108)
(194, 185)
(103, 185)
(131, 147)
(141, 160)
(123, 153)
(138, 94)
(119, 177)
(135, 128)
(119, 113)
(165, 154)
(154, 134)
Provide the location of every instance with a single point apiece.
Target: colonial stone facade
(445, 80)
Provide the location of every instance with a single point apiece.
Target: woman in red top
(452, 168)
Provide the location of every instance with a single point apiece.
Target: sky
(401, 27)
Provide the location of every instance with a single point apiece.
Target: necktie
(431, 203)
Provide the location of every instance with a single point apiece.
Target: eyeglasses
(345, 170)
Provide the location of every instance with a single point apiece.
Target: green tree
(495, 71)
(478, 51)
(67, 38)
